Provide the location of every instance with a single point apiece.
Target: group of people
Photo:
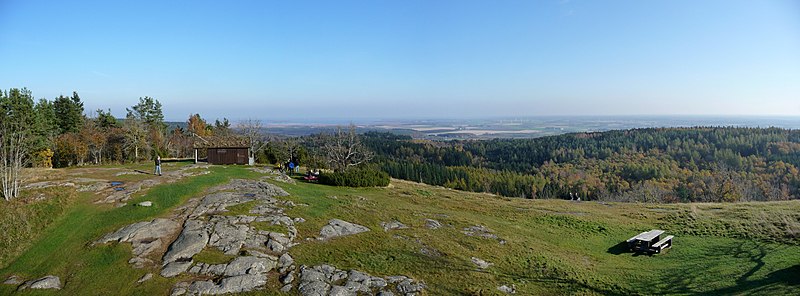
(292, 166)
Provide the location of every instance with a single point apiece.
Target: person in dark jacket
(158, 166)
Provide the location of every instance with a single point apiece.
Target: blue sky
(409, 59)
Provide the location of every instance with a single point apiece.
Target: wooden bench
(663, 244)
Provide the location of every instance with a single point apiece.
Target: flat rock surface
(47, 282)
(235, 284)
(256, 252)
(191, 241)
(329, 280)
(13, 280)
(482, 264)
(336, 228)
(145, 278)
(145, 238)
(508, 290)
(175, 268)
(432, 224)
(206, 222)
(391, 225)
(480, 231)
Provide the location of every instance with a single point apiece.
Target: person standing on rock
(158, 166)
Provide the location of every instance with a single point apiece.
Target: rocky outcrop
(48, 282)
(175, 268)
(480, 231)
(145, 238)
(256, 254)
(432, 224)
(13, 280)
(327, 280)
(121, 196)
(249, 265)
(482, 264)
(235, 284)
(392, 225)
(191, 241)
(336, 228)
(209, 226)
(145, 278)
(508, 290)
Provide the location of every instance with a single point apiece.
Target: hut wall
(228, 156)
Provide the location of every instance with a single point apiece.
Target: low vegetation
(212, 256)
(538, 246)
(356, 177)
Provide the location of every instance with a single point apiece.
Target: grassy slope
(65, 247)
(552, 246)
(22, 219)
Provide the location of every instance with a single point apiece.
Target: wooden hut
(224, 150)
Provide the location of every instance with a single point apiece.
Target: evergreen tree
(148, 111)
(105, 120)
(68, 113)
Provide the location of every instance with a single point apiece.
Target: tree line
(58, 133)
(698, 164)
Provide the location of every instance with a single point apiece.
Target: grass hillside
(541, 246)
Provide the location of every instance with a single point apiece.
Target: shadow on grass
(619, 249)
(688, 281)
(622, 248)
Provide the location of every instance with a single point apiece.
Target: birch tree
(13, 157)
(16, 122)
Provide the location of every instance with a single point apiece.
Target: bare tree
(253, 130)
(13, 157)
(343, 149)
(135, 136)
(95, 139)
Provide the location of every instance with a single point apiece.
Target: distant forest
(701, 164)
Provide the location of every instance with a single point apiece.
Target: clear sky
(407, 58)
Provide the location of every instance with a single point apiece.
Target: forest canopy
(699, 164)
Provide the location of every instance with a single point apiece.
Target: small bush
(356, 177)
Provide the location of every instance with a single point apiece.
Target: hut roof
(230, 141)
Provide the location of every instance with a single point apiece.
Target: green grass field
(550, 246)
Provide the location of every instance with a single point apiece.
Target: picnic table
(650, 242)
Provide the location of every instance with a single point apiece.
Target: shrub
(356, 177)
